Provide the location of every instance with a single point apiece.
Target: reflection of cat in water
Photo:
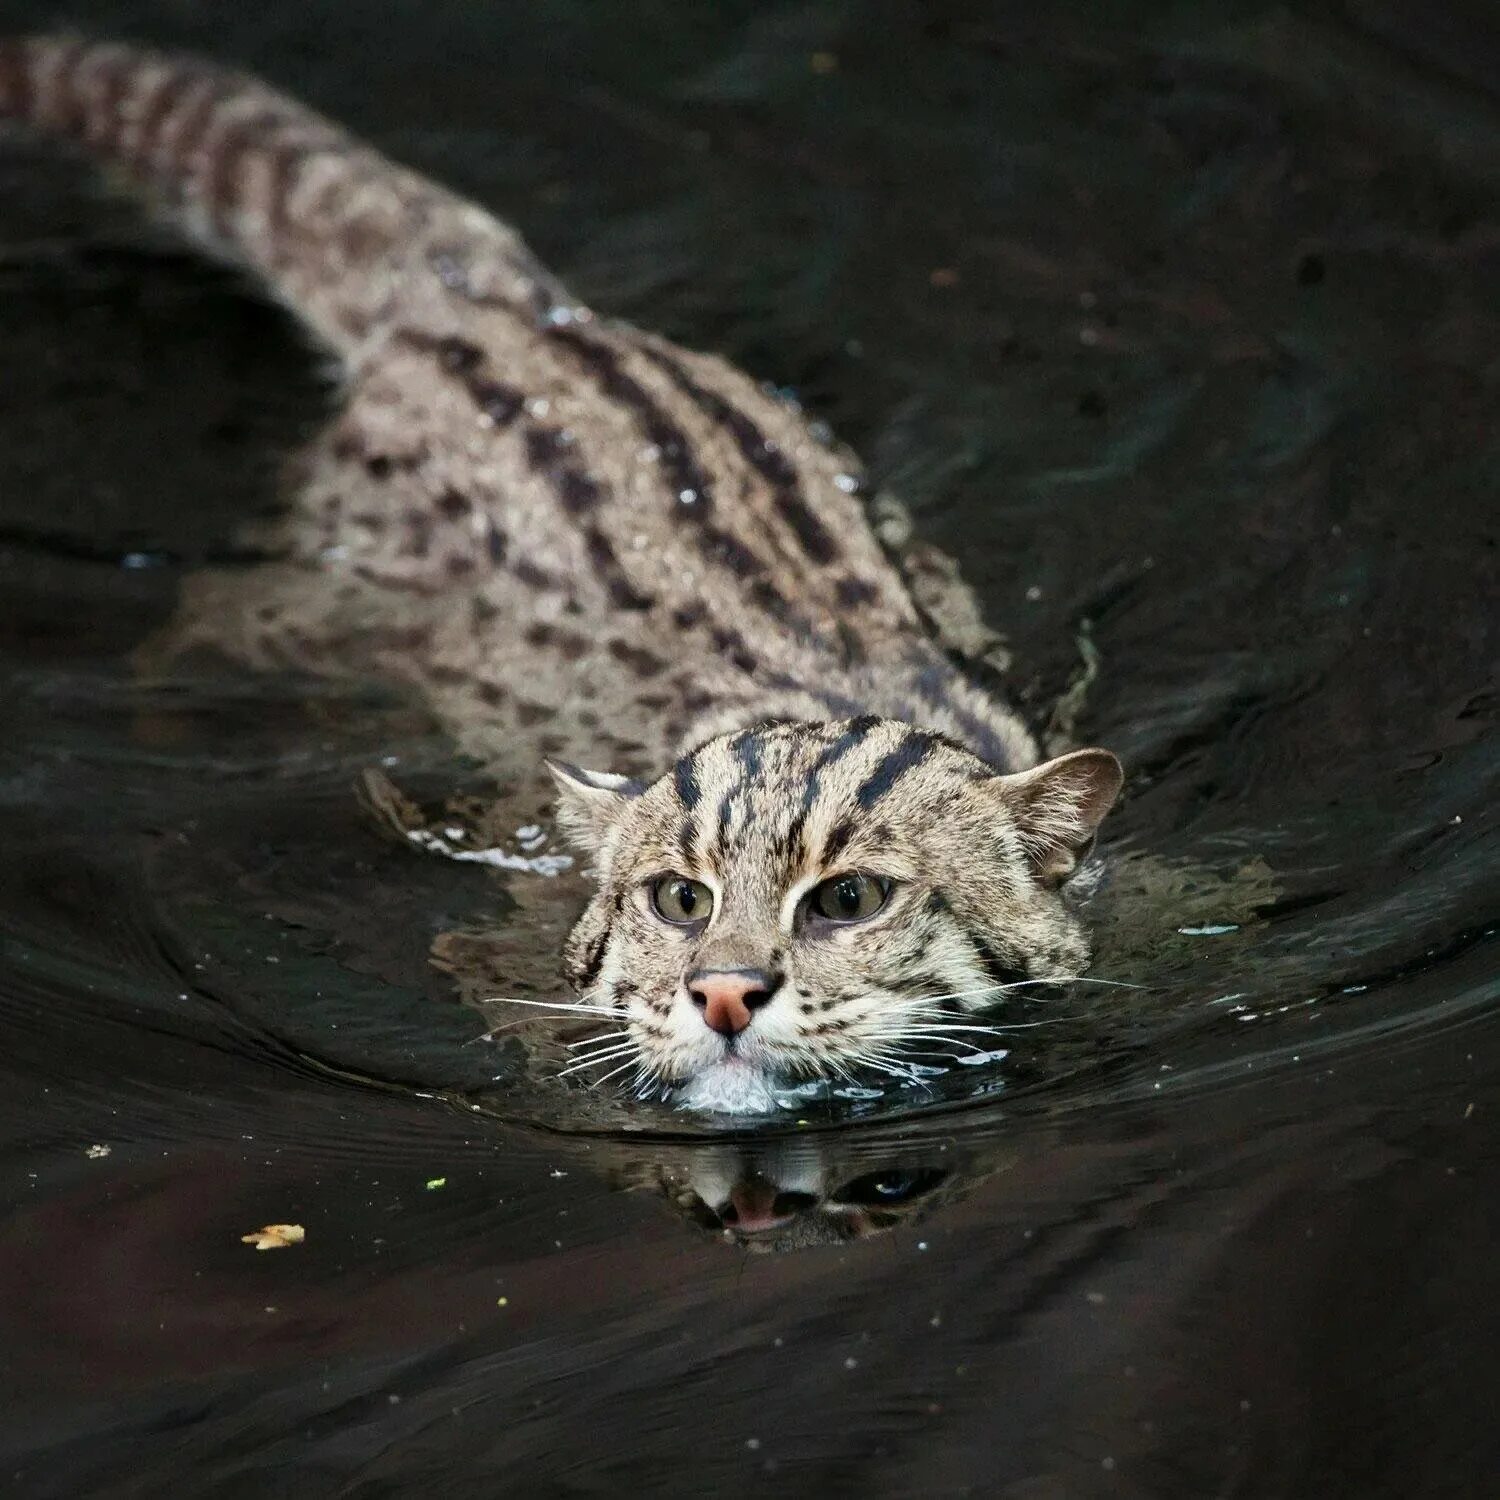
(822, 842)
(797, 1192)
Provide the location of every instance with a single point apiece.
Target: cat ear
(588, 802)
(1058, 806)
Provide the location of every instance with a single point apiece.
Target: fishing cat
(819, 843)
(782, 1193)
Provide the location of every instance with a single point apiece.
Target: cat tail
(349, 240)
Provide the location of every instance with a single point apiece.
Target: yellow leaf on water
(275, 1237)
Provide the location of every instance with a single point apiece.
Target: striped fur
(574, 536)
(762, 816)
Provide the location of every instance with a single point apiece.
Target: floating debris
(275, 1237)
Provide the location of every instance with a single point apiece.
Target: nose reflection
(789, 1194)
(755, 1204)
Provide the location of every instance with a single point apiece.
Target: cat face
(778, 1195)
(805, 899)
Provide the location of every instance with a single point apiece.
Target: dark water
(1179, 325)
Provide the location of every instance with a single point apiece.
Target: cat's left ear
(1059, 805)
(589, 802)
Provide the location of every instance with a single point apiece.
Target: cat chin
(730, 1087)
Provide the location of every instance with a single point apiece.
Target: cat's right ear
(1058, 806)
(590, 802)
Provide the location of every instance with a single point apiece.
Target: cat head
(778, 1195)
(803, 899)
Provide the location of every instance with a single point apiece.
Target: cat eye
(877, 1188)
(681, 901)
(848, 898)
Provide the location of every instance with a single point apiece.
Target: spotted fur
(974, 858)
(573, 536)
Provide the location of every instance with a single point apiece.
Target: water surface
(1179, 329)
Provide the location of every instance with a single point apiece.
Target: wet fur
(576, 538)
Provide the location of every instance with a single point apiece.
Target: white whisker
(605, 1036)
(560, 1007)
(622, 1068)
(594, 1062)
(934, 1026)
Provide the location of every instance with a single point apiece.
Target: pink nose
(729, 997)
(752, 1205)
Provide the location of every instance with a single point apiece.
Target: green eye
(849, 898)
(682, 901)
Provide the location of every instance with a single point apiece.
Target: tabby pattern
(574, 537)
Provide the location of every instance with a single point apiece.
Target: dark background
(1180, 320)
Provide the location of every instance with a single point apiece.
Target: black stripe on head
(838, 841)
(685, 779)
(909, 754)
(593, 961)
(854, 734)
(749, 750)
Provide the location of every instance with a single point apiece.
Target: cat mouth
(732, 1085)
